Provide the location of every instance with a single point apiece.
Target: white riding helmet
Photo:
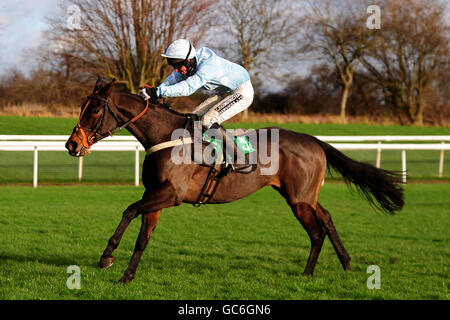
(180, 49)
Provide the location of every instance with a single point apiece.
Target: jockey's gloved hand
(149, 93)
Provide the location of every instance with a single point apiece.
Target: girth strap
(173, 143)
(168, 144)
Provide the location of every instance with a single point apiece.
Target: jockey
(202, 68)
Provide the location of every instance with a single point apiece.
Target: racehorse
(303, 161)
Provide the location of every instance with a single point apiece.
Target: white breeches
(219, 108)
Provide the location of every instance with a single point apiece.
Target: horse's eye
(95, 110)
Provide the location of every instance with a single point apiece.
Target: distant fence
(38, 143)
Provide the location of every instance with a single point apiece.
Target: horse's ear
(99, 83)
(107, 89)
(111, 86)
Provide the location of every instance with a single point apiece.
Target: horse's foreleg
(307, 217)
(152, 203)
(128, 215)
(324, 216)
(149, 222)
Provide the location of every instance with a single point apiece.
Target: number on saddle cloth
(221, 152)
(244, 144)
(213, 150)
(216, 144)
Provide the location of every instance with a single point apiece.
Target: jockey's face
(182, 70)
(179, 65)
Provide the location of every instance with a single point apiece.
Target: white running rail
(38, 143)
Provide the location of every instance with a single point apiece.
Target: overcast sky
(21, 25)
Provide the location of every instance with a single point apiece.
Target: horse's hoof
(106, 262)
(126, 278)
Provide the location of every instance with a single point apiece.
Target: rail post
(404, 166)
(441, 161)
(136, 167)
(35, 168)
(80, 168)
(378, 163)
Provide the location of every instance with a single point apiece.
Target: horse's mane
(138, 98)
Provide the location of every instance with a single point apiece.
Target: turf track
(250, 249)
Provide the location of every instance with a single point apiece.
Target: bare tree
(409, 50)
(337, 33)
(438, 98)
(124, 39)
(258, 34)
(1, 28)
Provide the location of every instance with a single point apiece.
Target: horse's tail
(380, 187)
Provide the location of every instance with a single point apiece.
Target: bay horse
(303, 161)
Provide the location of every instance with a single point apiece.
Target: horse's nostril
(70, 145)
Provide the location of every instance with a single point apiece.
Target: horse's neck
(156, 125)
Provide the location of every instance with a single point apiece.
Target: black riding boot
(229, 147)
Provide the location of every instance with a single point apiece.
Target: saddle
(223, 151)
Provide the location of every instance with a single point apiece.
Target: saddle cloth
(214, 152)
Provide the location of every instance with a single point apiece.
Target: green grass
(249, 249)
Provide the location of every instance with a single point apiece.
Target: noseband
(87, 141)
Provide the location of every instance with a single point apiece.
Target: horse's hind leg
(149, 222)
(128, 215)
(325, 218)
(306, 214)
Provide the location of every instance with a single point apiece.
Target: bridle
(87, 141)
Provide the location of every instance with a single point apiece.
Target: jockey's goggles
(176, 63)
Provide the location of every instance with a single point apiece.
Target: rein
(89, 141)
